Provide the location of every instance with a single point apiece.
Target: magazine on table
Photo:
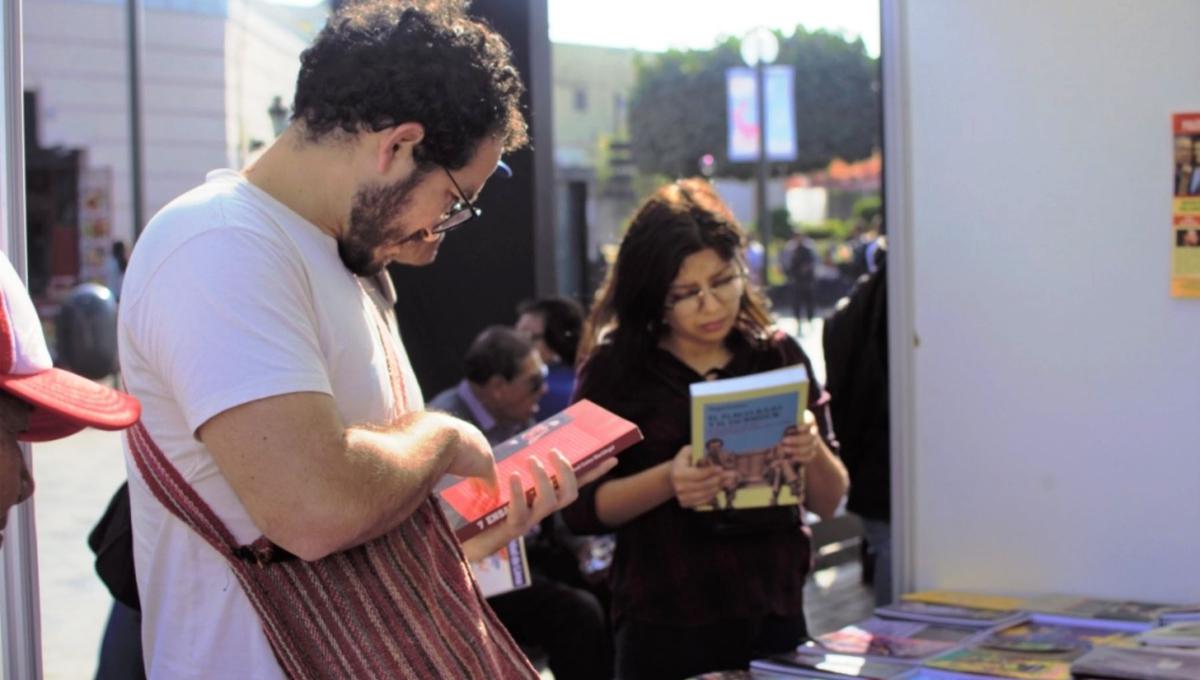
(1133, 615)
(910, 610)
(891, 640)
(1114, 663)
(1182, 634)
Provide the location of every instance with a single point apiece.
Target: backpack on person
(802, 266)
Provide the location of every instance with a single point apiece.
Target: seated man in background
(505, 378)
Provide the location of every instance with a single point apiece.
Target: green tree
(867, 207)
(678, 113)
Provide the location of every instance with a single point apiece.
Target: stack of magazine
(944, 635)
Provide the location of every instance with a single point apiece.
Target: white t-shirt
(231, 297)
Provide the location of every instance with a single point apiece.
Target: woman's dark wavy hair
(678, 220)
(379, 63)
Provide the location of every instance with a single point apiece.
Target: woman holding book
(693, 591)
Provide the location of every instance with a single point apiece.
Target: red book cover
(585, 433)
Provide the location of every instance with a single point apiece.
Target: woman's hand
(800, 445)
(694, 485)
(551, 492)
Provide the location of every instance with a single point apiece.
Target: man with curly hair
(280, 479)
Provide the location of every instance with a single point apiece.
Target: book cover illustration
(829, 666)
(737, 425)
(910, 610)
(1020, 665)
(1137, 664)
(585, 433)
(895, 640)
(503, 571)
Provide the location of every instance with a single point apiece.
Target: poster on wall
(1185, 212)
(95, 223)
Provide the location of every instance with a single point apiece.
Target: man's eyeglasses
(726, 289)
(538, 380)
(460, 213)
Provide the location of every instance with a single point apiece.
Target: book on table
(1181, 613)
(1114, 663)
(1034, 649)
(958, 598)
(833, 666)
(584, 433)
(1045, 664)
(1183, 634)
(503, 571)
(737, 425)
(975, 617)
(1041, 635)
(1131, 614)
(891, 640)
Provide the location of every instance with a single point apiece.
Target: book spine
(593, 459)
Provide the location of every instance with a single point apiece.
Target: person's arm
(825, 482)
(621, 500)
(314, 486)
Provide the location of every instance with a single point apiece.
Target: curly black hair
(379, 63)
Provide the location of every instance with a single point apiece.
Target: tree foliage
(678, 112)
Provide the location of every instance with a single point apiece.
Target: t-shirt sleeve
(225, 319)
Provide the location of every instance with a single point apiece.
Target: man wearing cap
(39, 402)
(280, 488)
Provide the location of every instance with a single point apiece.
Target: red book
(585, 433)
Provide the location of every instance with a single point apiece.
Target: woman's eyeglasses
(725, 289)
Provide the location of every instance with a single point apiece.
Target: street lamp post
(759, 48)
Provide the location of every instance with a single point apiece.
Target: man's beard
(373, 209)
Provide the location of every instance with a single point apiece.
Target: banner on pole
(741, 96)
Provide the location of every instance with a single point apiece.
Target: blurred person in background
(553, 326)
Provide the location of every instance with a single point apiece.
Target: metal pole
(902, 328)
(764, 229)
(133, 15)
(20, 642)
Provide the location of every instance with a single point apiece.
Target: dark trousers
(566, 623)
(121, 649)
(803, 298)
(647, 651)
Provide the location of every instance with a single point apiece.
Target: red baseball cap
(63, 403)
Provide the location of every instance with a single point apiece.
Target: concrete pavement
(75, 478)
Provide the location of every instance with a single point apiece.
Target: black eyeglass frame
(460, 213)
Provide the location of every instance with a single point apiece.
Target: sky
(658, 25)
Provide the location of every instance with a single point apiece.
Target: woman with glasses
(693, 591)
